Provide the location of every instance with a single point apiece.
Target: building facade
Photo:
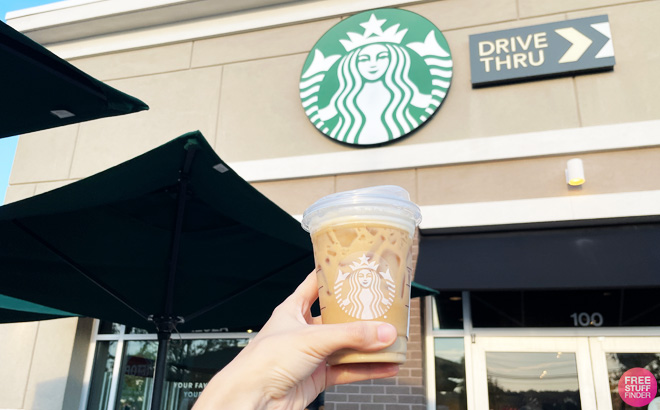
(515, 324)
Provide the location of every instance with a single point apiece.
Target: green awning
(41, 91)
(419, 290)
(17, 310)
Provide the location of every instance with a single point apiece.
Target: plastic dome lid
(390, 200)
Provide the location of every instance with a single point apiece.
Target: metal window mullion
(568, 331)
(116, 372)
(429, 353)
(181, 336)
(467, 313)
(223, 335)
(468, 340)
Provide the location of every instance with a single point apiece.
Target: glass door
(530, 373)
(612, 356)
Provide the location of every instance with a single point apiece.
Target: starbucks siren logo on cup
(364, 291)
(376, 77)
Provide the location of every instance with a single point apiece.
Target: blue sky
(8, 145)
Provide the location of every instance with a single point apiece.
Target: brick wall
(403, 392)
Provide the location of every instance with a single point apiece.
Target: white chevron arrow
(608, 48)
(580, 44)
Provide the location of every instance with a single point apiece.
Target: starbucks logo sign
(375, 77)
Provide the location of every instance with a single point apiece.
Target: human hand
(284, 366)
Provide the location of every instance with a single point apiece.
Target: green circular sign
(376, 76)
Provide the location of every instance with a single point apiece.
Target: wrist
(233, 388)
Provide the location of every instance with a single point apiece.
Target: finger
(362, 336)
(306, 293)
(355, 372)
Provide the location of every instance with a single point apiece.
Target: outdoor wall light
(574, 172)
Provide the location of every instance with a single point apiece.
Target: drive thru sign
(548, 50)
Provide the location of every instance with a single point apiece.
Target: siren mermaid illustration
(374, 98)
(367, 298)
(374, 95)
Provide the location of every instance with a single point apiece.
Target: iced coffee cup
(362, 243)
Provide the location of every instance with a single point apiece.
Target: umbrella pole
(166, 323)
(161, 365)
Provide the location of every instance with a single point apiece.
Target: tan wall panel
(17, 192)
(44, 155)
(492, 181)
(76, 376)
(261, 115)
(494, 111)
(404, 179)
(180, 102)
(630, 92)
(50, 364)
(453, 14)
(49, 186)
(294, 196)
(137, 62)
(274, 42)
(16, 345)
(622, 171)
(530, 8)
(610, 172)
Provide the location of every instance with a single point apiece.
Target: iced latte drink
(363, 251)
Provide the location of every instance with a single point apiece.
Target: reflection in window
(104, 361)
(137, 331)
(619, 363)
(109, 328)
(450, 374)
(602, 307)
(136, 379)
(447, 310)
(532, 381)
(190, 366)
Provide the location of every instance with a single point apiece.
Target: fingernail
(386, 333)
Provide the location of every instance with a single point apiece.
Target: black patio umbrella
(41, 91)
(173, 239)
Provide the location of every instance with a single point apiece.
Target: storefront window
(448, 310)
(109, 328)
(190, 366)
(619, 363)
(192, 360)
(135, 331)
(578, 308)
(136, 379)
(532, 381)
(450, 374)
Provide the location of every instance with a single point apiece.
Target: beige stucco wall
(241, 91)
(43, 363)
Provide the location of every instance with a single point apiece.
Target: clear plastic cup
(363, 252)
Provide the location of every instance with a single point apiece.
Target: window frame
(121, 338)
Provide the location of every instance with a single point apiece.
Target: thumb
(362, 336)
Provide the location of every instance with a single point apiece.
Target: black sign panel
(547, 50)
